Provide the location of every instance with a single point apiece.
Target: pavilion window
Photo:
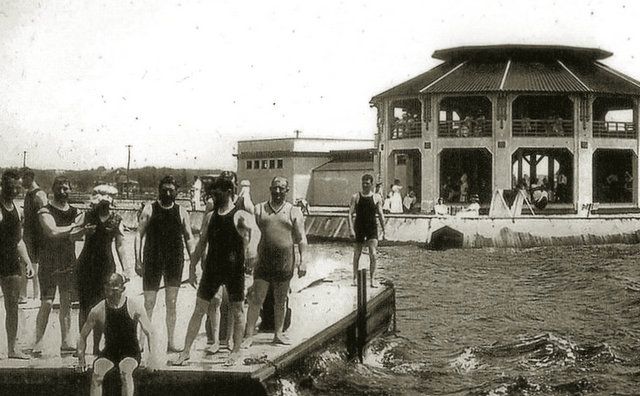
(249, 164)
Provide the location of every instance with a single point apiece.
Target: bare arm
(352, 208)
(300, 237)
(50, 228)
(199, 250)
(120, 249)
(22, 252)
(41, 199)
(145, 324)
(81, 228)
(380, 214)
(138, 243)
(186, 230)
(89, 324)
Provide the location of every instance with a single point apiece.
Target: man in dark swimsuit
(227, 236)
(34, 199)
(57, 260)
(365, 205)
(282, 227)
(162, 228)
(119, 317)
(12, 249)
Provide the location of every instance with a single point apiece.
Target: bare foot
(17, 354)
(281, 340)
(180, 361)
(374, 285)
(213, 349)
(173, 349)
(246, 343)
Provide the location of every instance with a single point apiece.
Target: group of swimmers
(51, 228)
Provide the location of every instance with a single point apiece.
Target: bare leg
(237, 314)
(149, 304)
(127, 365)
(280, 292)
(373, 258)
(192, 330)
(357, 251)
(171, 296)
(36, 282)
(23, 281)
(260, 288)
(42, 319)
(65, 319)
(214, 318)
(100, 368)
(11, 291)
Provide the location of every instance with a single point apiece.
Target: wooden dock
(323, 313)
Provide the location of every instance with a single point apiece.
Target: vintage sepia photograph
(312, 198)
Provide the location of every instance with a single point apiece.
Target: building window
(256, 164)
(279, 164)
(265, 164)
(272, 164)
(249, 164)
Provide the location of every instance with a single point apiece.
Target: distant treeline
(148, 177)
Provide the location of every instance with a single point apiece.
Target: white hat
(103, 192)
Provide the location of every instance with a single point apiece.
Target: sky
(183, 81)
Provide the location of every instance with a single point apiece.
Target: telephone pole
(24, 159)
(128, 163)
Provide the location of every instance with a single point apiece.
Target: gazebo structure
(493, 117)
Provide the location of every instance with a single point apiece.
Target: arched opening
(613, 118)
(406, 119)
(406, 167)
(613, 176)
(465, 172)
(550, 116)
(465, 116)
(548, 170)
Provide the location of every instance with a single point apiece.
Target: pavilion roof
(544, 69)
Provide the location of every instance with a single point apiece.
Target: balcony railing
(406, 130)
(465, 128)
(545, 128)
(613, 129)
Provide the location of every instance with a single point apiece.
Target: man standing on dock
(282, 227)
(162, 228)
(57, 262)
(12, 249)
(118, 316)
(226, 233)
(366, 205)
(34, 199)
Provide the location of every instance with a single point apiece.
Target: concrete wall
(487, 232)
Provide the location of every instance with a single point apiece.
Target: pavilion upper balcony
(542, 116)
(465, 116)
(406, 119)
(613, 118)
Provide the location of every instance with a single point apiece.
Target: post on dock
(361, 315)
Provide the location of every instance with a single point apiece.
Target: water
(541, 321)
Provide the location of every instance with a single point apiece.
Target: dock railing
(529, 127)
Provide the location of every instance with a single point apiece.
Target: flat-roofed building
(261, 160)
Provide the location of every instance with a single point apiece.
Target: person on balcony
(539, 194)
(466, 126)
(440, 208)
(473, 210)
(557, 127)
(526, 125)
(561, 186)
(479, 124)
